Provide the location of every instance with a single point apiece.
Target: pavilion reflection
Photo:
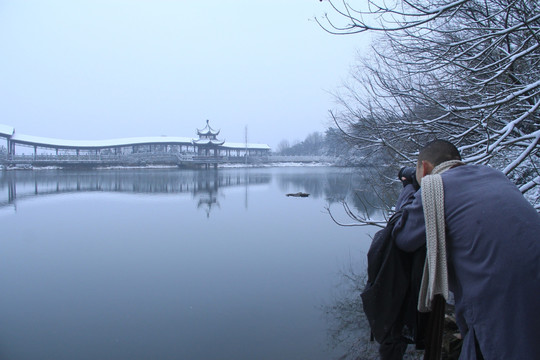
(354, 186)
(204, 186)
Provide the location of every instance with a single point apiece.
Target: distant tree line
(333, 142)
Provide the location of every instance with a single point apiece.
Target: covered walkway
(26, 148)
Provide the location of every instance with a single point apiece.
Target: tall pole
(245, 173)
(246, 145)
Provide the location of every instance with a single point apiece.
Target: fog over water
(172, 264)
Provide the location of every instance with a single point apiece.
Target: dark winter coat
(493, 249)
(391, 293)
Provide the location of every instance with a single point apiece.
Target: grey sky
(100, 69)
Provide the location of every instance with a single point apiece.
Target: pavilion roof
(208, 142)
(207, 130)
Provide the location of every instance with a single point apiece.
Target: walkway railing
(141, 159)
(125, 159)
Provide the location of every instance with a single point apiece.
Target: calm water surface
(172, 264)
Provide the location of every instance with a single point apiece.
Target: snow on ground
(267, 165)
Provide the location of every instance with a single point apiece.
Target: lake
(174, 264)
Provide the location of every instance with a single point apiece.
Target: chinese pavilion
(208, 144)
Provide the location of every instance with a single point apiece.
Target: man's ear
(427, 168)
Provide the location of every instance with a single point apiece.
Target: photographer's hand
(407, 175)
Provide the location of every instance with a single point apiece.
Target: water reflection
(368, 192)
(205, 186)
(348, 327)
(155, 277)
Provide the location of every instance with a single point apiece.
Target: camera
(409, 173)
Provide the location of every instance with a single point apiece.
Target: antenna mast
(246, 144)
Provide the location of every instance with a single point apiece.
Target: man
(493, 253)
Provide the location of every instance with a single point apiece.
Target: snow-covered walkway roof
(240, 146)
(95, 144)
(9, 133)
(6, 131)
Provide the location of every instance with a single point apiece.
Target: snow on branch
(467, 71)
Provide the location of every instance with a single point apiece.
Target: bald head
(438, 151)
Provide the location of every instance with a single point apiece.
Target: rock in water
(299, 194)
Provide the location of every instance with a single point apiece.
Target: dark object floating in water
(299, 194)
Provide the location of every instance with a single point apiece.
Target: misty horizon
(95, 70)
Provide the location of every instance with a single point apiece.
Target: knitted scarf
(435, 276)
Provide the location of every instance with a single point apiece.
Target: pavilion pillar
(78, 151)
(35, 152)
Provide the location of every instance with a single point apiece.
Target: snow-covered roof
(208, 141)
(81, 144)
(207, 130)
(241, 146)
(6, 131)
(9, 132)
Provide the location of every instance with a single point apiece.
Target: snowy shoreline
(221, 166)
